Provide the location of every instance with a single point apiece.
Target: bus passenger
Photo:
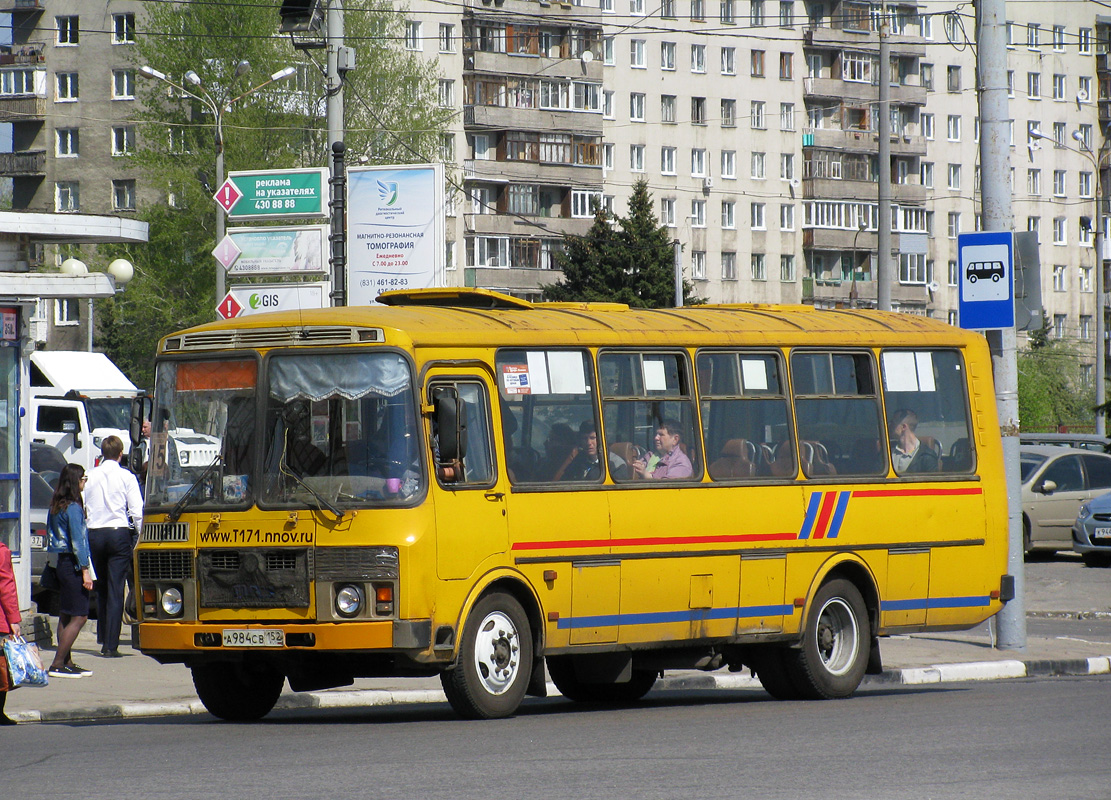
(673, 462)
(586, 465)
(908, 455)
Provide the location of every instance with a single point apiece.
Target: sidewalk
(137, 686)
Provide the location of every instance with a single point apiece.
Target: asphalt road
(1007, 739)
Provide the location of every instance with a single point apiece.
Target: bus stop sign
(987, 280)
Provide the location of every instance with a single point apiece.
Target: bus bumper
(178, 637)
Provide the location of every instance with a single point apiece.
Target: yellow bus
(464, 484)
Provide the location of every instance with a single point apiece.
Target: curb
(365, 698)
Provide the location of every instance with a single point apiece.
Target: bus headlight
(171, 601)
(349, 600)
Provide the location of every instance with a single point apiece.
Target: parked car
(1081, 441)
(1056, 481)
(1091, 533)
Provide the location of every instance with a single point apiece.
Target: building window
(1033, 35)
(667, 161)
(1085, 327)
(954, 224)
(66, 196)
(123, 28)
(447, 147)
(65, 87)
(608, 57)
(759, 218)
(698, 213)
(698, 265)
(69, 31)
(759, 161)
(1085, 41)
(928, 174)
(954, 128)
(729, 61)
(759, 267)
(786, 66)
(1059, 234)
(1034, 225)
(955, 176)
(67, 311)
(1085, 184)
(698, 163)
(728, 215)
(756, 13)
(726, 12)
(953, 82)
(786, 217)
(1059, 87)
(1084, 92)
(954, 275)
(1059, 182)
(787, 116)
(1059, 278)
(413, 39)
(756, 69)
(123, 140)
(584, 202)
(667, 108)
(607, 104)
(698, 10)
(1060, 322)
(636, 53)
(447, 93)
(447, 38)
(66, 142)
(1059, 38)
(787, 269)
(728, 113)
(912, 268)
(1085, 279)
(1034, 181)
(1034, 85)
(636, 157)
(607, 156)
(636, 107)
(786, 13)
(667, 212)
(729, 266)
(123, 84)
(926, 76)
(667, 55)
(759, 122)
(698, 110)
(698, 58)
(123, 195)
(729, 164)
(857, 67)
(786, 166)
(928, 126)
(667, 9)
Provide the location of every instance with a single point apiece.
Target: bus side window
(476, 467)
(926, 389)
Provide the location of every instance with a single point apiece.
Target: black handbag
(49, 578)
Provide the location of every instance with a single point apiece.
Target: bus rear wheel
(834, 654)
(561, 669)
(495, 660)
(771, 664)
(237, 692)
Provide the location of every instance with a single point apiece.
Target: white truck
(77, 400)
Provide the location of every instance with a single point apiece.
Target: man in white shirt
(114, 508)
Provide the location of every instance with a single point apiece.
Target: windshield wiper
(285, 469)
(175, 512)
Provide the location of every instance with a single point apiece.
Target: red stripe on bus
(578, 544)
(824, 515)
(916, 492)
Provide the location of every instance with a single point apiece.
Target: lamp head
(193, 78)
(242, 68)
(151, 72)
(282, 74)
(1078, 136)
(122, 271)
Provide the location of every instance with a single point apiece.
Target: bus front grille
(254, 578)
(165, 565)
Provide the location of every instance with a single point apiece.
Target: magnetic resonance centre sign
(269, 194)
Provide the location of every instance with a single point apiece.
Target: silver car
(1056, 482)
(1091, 533)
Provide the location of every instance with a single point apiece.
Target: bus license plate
(1101, 533)
(254, 637)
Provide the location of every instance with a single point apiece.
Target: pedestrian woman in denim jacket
(69, 538)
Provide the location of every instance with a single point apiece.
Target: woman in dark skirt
(69, 538)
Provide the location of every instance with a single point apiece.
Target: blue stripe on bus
(839, 514)
(920, 603)
(811, 514)
(660, 617)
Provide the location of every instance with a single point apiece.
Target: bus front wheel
(495, 660)
(237, 692)
(834, 652)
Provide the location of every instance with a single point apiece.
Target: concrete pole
(884, 268)
(678, 259)
(995, 207)
(334, 83)
(1101, 345)
(221, 222)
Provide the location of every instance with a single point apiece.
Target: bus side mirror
(451, 432)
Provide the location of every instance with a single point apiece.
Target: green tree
(633, 263)
(391, 116)
(1051, 392)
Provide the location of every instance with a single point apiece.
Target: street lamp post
(860, 228)
(218, 110)
(1098, 222)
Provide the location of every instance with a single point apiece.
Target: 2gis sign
(270, 194)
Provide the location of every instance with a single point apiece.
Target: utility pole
(883, 266)
(340, 60)
(995, 208)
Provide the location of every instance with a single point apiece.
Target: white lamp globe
(122, 270)
(71, 266)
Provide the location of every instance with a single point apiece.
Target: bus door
(469, 492)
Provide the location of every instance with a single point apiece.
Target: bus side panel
(904, 600)
(762, 601)
(678, 599)
(961, 580)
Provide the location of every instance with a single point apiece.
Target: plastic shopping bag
(24, 663)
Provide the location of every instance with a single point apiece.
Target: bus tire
(495, 660)
(237, 692)
(770, 663)
(561, 669)
(835, 644)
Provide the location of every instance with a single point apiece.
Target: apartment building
(753, 121)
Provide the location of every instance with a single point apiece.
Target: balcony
(513, 225)
(557, 66)
(569, 175)
(21, 6)
(836, 88)
(532, 119)
(25, 162)
(24, 54)
(24, 108)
